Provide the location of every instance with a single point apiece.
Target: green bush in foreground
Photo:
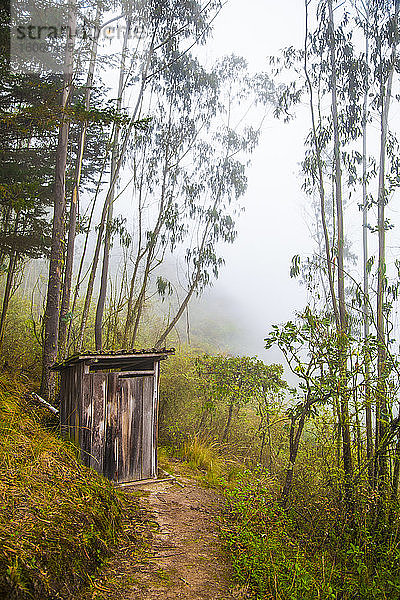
(277, 557)
(57, 518)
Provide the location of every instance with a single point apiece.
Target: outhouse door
(121, 422)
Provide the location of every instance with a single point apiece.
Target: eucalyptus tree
(386, 62)
(363, 16)
(73, 211)
(189, 173)
(349, 85)
(166, 167)
(52, 312)
(171, 28)
(218, 179)
(330, 73)
(114, 160)
(82, 142)
(180, 114)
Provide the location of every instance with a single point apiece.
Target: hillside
(58, 519)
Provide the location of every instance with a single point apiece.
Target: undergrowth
(304, 552)
(58, 519)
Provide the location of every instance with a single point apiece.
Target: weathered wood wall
(70, 408)
(113, 418)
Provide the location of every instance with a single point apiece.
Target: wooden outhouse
(109, 408)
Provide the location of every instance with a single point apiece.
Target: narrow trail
(186, 559)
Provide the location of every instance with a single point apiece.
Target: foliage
(307, 551)
(196, 392)
(180, 397)
(237, 381)
(21, 351)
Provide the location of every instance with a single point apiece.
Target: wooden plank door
(148, 455)
(118, 426)
(131, 429)
(112, 434)
(137, 455)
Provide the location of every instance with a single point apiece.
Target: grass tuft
(203, 456)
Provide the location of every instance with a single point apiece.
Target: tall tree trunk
(366, 316)
(7, 293)
(73, 213)
(382, 416)
(139, 255)
(107, 237)
(396, 475)
(110, 195)
(4, 227)
(342, 325)
(52, 313)
(321, 186)
(79, 278)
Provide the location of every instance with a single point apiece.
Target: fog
(255, 285)
(254, 289)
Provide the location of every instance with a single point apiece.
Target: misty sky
(254, 286)
(255, 282)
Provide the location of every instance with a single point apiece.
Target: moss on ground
(58, 519)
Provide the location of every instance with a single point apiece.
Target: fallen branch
(44, 403)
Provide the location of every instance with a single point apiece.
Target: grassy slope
(58, 519)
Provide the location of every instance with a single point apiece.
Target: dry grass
(203, 455)
(58, 519)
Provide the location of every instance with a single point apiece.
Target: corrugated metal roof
(113, 355)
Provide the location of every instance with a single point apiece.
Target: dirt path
(170, 549)
(186, 559)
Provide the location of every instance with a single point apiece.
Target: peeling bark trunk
(52, 313)
(114, 159)
(367, 365)
(321, 186)
(69, 263)
(140, 254)
(382, 416)
(342, 323)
